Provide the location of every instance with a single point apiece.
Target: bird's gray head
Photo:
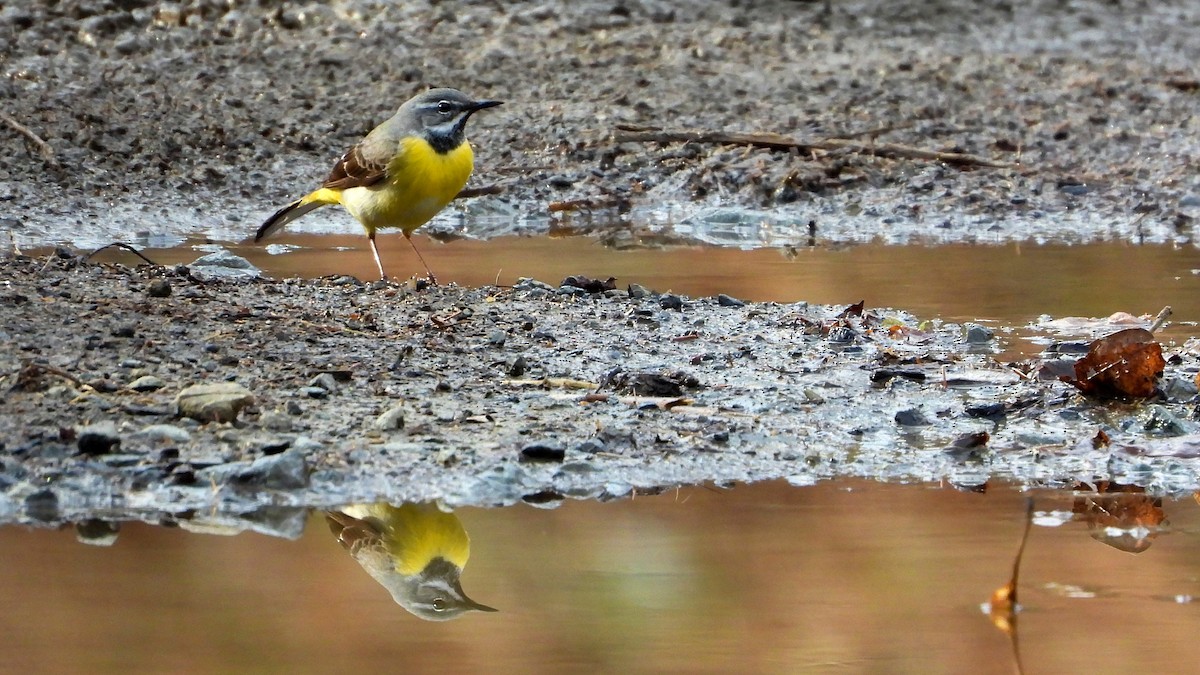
(440, 115)
(435, 594)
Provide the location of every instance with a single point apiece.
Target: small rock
(213, 402)
(729, 301)
(496, 337)
(96, 532)
(223, 265)
(1179, 388)
(284, 471)
(159, 288)
(103, 385)
(147, 383)
(518, 366)
(166, 432)
(978, 335)
(670, 301)
(126, 330)
(390, 420)
(276, 421)
(913, 417)
(638, 291)
(98, 439)
(42, 505)
(315, 392)
(987, 410)
(542, 452)
(325, 381)
(591, 446)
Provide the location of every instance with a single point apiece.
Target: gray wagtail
(416, 551)
(402, 173)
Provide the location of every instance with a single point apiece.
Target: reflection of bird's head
(416, 551)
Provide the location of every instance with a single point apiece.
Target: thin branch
(43, 147)
(773, 141)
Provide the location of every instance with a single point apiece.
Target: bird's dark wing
(356, 168)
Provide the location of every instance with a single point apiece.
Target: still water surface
(1005, 285)
(840, 577)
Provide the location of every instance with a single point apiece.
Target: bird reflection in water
(415, 551)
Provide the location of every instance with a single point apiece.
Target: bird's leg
(375, 252)
(432, 279)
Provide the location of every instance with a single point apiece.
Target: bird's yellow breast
(417, 533)
(421, 181)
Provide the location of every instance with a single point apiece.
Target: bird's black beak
(480, 105)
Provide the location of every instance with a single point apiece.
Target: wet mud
(147, 120)
(170, 119)
(128, 386)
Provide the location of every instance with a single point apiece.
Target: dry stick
(1162, 317)
(43, 147)
(773, 141)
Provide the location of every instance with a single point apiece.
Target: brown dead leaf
(590, 285)
(1126, 364)
(853, 310)
(1121, 516)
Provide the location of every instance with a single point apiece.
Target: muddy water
(1010, 285)
(837, 577)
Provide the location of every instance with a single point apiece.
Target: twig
(1163, 315)
(121, 245)
(43, 147)
(773, 141)
(31, 370)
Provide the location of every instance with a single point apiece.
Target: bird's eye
(444, 107)
(439, 604)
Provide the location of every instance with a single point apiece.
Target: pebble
(542, 452)
(978, 335)
(213, 402)
(98, 439)
(284, 471)
(159, 288)
(276, 421)
(729, 301)
(670, 301)
(913, 417)
(166, 432)
(638, 291)
(497, 337)
(315, 392)
(390, 420)
(147, 383)
(42, 505)
(96, 532)
(324, 381)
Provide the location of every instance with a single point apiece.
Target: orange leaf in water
(1126, 364)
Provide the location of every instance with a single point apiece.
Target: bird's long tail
(313, 200)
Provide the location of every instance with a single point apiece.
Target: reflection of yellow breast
(415, 534)
(421, 182)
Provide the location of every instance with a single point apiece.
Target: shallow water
(1004, 285)
(846, 576)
